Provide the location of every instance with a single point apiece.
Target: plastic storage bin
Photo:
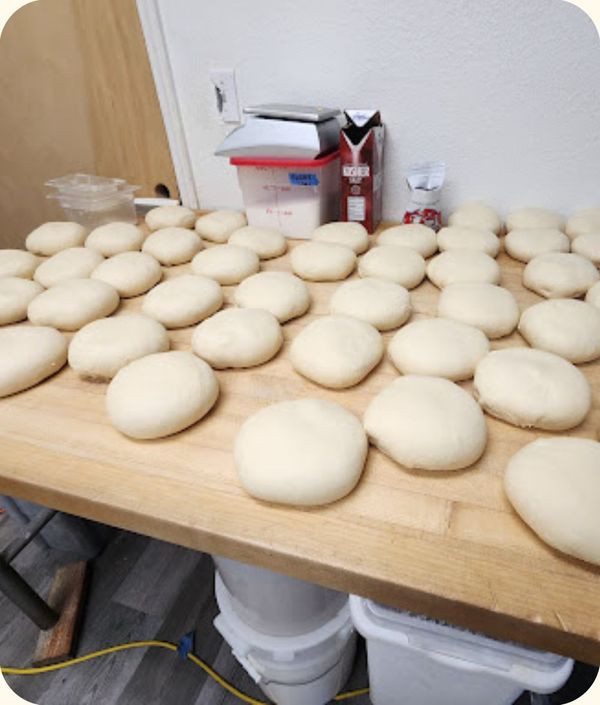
(416, 661)
(294, 196)
(297, 670)
(275, 604)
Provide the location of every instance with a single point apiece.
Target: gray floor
(140, 589)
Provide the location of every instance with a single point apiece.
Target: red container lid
(272, 161)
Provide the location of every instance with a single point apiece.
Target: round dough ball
(438, 347)
(219, 225)
(305, 452)
(476, 215)
(558, 275)
(462, 266)
(490, 308)
(415, 236)
(565, 327)
(352, 235)
(183, 301)
(534, 218)
(130, 273)
(381, 303)
(587, 221)
(114, 238)
(50, 238)
(170, 217)
(281, 293)
(427, 423)
(267, 243)
(161, 394)
(588, 246)
(238, 337)
(18, 263)
(554, 485)
(15, 296)
(532, 389)
(29, 354)
(336, 351)
(172, 245)
(460, 238)
(401, 265)
(71, 304)
(593, 295)
(72, 263)
(322, 261)
(227, 264)
(101, 348)
(525, 244)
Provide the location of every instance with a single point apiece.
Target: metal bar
(25, 597)
(33, 528)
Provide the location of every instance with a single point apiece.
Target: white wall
(507, 92)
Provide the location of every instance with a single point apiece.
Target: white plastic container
(275, 604)
(307, 669)
(293, 196)
(416, 661)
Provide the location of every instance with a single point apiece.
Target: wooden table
(444, 544)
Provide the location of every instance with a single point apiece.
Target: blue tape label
(303, 179)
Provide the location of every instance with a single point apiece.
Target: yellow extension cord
(161, 645)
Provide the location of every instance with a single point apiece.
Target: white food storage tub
(416, 661)
(293, 196)
(276, 604)
(296, 670)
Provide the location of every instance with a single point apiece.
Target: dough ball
(305, 452)
(426, 423)
(588, 246)
(587, 221)
(558, 275)
(352, 235)
(161, 394)
(29, 354)
(534, 218)
(172, 245)
(415, 236)
(219, 225)
(15, 296)
(438, 347)
(401, 265)
(183, 301)
(490, 308)
(532, 389)
(336, 351)
(593, 295)
(71, 304)
(17, 263)
(281, 293)
(130, 273)
(476, 215)
(114, 238)
(170, 217)
(101, 348)
(554, 485)
(460, 238)
(322, 261)
(227, 264)
(72, 263)
(525, 244)
(462, 266)
(565, 327)
(50, 238)
(267, 243)
(381, 303)
(238, 337)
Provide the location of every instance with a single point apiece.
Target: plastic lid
(283, 163)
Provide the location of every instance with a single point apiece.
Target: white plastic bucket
(293, 196)
(276, 604)
(416, 661)
(297, 670)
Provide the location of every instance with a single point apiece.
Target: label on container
(303, 179)
(356, 208)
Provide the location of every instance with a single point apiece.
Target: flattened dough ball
(593, 295)
(305, 452)
(415, 236)
(72, 263)
(426, 423)
(101, 348)
(554, 485)
(130, 273)
(172, 246)
(588, 246)
(558, 275)
(336, 351)
(383, 304)
(461, 238)
(534, 218)
(161, 394)
(586, 221)
(476, 215)
(18, 263)
(352, 235)
(50, 238)
(114, 238)
(461, 266)
(322, 261)
(526, 243)
(266, 242)
(283, 294)
(219, 225)
(170, 217)
(15, 296)
(227, 264)
(532, 389)
(401, 265)
(183, 301)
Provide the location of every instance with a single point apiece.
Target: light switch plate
(226, 94)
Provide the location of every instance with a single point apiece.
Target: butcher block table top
(447, 545)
